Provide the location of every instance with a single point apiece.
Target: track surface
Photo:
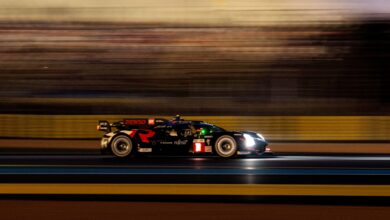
(337, 170)
(206, 170)
(18, 209)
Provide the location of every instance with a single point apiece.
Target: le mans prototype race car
(177, 137)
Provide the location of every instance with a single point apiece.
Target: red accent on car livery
(135, 122)
(145, 134)
(132, 133)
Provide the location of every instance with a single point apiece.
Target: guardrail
(284, 128)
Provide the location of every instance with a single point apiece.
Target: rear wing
(104, 126)
(130, 123)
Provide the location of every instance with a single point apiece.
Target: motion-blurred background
(294, 70)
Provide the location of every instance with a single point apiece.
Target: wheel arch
(225, 135)
(123, 133)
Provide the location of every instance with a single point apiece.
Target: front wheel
(121, 146)
(226, 146)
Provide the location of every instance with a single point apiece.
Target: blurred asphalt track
(52, 209)
(274, 175)
(92, 186)
(58, 146)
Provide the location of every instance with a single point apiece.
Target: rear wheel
(226, 146)
(121, 146)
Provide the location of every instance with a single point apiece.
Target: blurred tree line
(336, 68)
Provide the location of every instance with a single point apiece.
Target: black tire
(226, 146)
(121, 146)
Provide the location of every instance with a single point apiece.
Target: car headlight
(260, 136)
(249, 140)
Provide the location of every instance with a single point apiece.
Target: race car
(136, 136)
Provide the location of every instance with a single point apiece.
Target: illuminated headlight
(249, 140)
(260, 136)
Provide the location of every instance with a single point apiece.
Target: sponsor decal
(208, 136)
(159, 121)
(145, 150)
(181, 142)
(198, 141)
(166, 142)
(208, 149)
(243, 152)
(104, 142)
(135, 122)
(187, 132)
(237, 134)
(208, 141)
